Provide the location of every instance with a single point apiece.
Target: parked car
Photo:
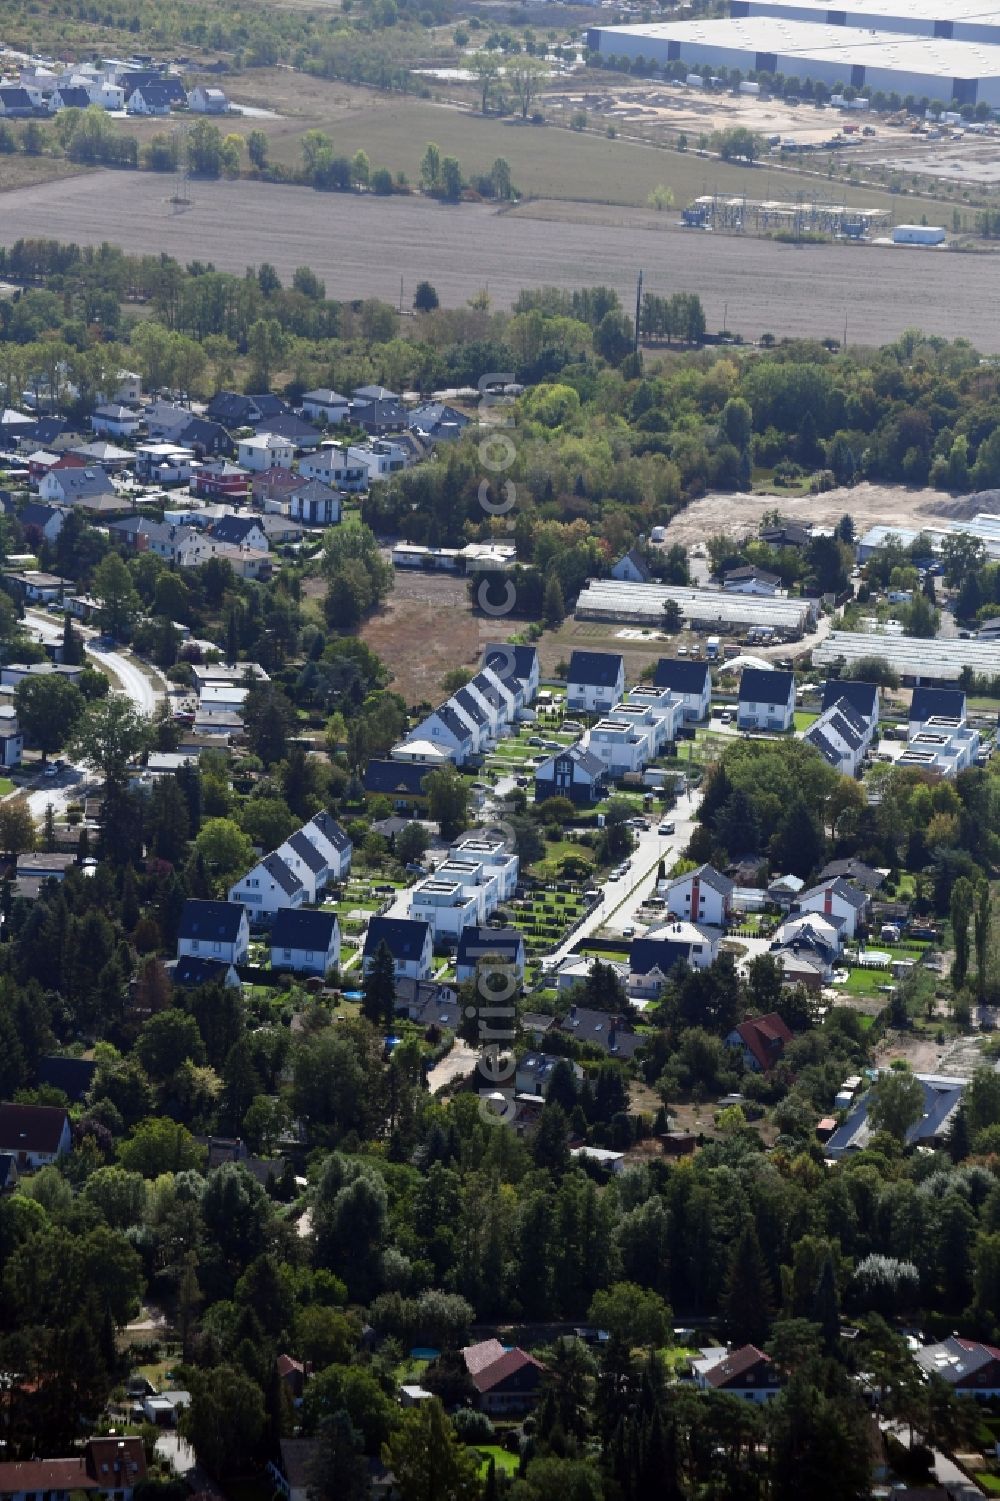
(665, 828)
(726, 717)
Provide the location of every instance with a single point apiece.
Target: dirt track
(869, 505)
(362, 246)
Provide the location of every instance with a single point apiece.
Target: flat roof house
(214, 930)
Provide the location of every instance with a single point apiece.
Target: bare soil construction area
(361, 246)
(426, 628)
(869, 505)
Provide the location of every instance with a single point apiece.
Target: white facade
(221, 950)
(838, 900)
(381, 458)
(268, 887)
(326, 406)
(446, 905)
(588, 695)
(265, 451)
(945, 752)
(321, 510)
(702, 896)
(303, 957)
(331, 464)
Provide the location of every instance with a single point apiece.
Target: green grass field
(803, 719)
(506, 1463)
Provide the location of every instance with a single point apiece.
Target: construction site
(736, 215)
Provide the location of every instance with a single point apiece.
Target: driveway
(456, 1063)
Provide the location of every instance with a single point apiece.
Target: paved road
(133, 681)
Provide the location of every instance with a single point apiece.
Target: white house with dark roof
(751, 580)
(701, 896)
(270, 886)
(862, 697)
(517, 668)
(112, 421)
(936, 709)
(214, 930)
(574, 773)
(410, 942)
(476, 944)
(837, 899)
(448, 730)
(690, 681)
(303, 857)
(315, 503)
(841, 736)
(330, 839)
(89, 488)
(325, 405)
(306, 942)
(632, 568)
(766, 700)
(595, 681)
(265, 451)
(746, 1373)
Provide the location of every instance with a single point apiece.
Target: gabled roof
(750, 571)
(402, 778)
(293, 429)
(404, 936)
(451, 722)
(364, 394)
(731, 1370)
(306, 851)
(215, 922)
(850, 894)
(465, 701)
(501, 658)
(281, 874)
(488, 1363)
(325, 396)
(154, 93)
(79, 484)
(862, 697)
(579, 755)
(474, 943)
(235, 529)
(760, 686)
(35, 514)
(933, 703)
(766, 1037)
(74, 97)
(330, 829)
(595, 669)
(601, 1030)
(853, 870)
(682, 677)
(647, 954)
(707, 875)
(635, 557)
(31, 1128)
(956, 1359)
(192, 969)
(304, 930)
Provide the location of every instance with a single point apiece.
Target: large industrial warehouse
(915, 659)
(890, 62)
(642, 604)
(961, 20)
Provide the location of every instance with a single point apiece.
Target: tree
(451, 178)
(161, 1146)
(427, 1460)
(672, 617)
(797, 844)
(120, 603)
(48, 708)
(632, 1313)
(257, 147)
(962, 903)
(338, 1471)
(447, 800)
(72, 646)
(411, 843)
(486, 68)
(981, 930)
(17, 827)
(225, 850)
(553, 605)
(660, 198)
(425, 298)
(430, 167)
(748, 1298)
(379, 989)
(166, 1041)
(361, 169)
(225, 1420)
(526, 76)
(896, 1102)
(109, 734)
(269, 720)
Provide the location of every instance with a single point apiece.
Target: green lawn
(505, 1462)
(803, 719)
(865, 982)
(989, 1482)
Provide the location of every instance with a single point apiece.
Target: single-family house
(517, 668)
(102, 451)
(315, 503)
(595, 681)
(402, 782)
(533, 1072)
(380, 457)
(203, 100)
(766, 699)
(267, 888)
(751, 580)
(970, 1367)
(574, 773)
(936, 709)
(942, 1097)
(218, 479)
(241, 531)
(307, 943)
(292, 1470)
(325, 405)
(149, 99)
(862, 697)
(333, 844)
(702, 896)
(107, 1467)
(90, 488)
(429, 1003)
(632, 568)
(841, 736)
(600, 1029)
(747, 1373)
(265, 451)
(214, 930)
(837, 898)
(761, 1041)
(69, 96)
(409, 942)
(113, 421)
(449, 730)
(476, 944)
(234, 410)
(688, 680)
(302, 435)
(72, 1076)
(331, 464)
(44, 865)
(437, 422)
(190, 971)
(11, 738)
(506, 1380)
(34, 1135)
(45, 522)
(303, 857)
(209, 440)
(16, 103)
(652, 958)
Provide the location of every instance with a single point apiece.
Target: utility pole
(638, 310)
